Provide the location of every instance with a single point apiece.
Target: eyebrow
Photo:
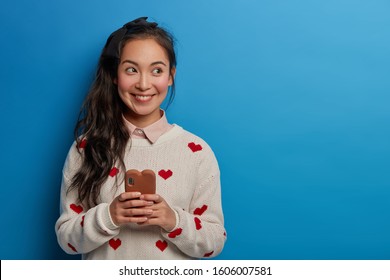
(136, 64)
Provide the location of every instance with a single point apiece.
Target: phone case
(143, 182)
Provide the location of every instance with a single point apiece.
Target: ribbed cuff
(104, 219)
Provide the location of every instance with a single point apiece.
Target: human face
(143, 79)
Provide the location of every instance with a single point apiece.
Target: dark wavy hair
(100, 121)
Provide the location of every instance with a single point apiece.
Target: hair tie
(113, 41)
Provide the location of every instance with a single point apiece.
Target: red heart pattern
(198, 223)
(175, 233)
(162, 245)
(115, 243)
(77, 208)
(195, 147)
(200, 211)
(82, 144)
(114, 171)
(208, 254)
(165, 174)
(72, 247)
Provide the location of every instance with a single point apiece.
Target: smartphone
(140, 181)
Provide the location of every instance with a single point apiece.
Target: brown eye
(131, 70)
(157, 71)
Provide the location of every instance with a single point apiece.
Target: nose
(143, 83)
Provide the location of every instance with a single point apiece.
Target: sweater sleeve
(80, 230)
(200, 231)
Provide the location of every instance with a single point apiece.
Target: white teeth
(143, 97)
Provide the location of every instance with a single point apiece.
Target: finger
(136, 220)
(134, 203)
(148, 222)
(138, 212)
(152, 197)
(128, 195)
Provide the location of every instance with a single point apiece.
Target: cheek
(124, 83)
(162, 85)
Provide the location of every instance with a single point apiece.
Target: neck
(142, 121)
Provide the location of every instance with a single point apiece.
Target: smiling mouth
(143, 98)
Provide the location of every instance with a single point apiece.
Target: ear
(115, 81)
(172, 76)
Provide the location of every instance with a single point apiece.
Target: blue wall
(293, 96)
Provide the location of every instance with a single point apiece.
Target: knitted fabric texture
(188, 178)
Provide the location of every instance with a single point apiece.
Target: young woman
(122, 127)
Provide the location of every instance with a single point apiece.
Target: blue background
(293, 96)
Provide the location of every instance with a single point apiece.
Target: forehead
(144, 50)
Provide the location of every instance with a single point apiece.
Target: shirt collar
(151, 132)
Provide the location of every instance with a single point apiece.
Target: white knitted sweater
(187, 178)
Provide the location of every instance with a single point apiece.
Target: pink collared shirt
(151, 132)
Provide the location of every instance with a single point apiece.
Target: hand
(128, 208)
(162, 214)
